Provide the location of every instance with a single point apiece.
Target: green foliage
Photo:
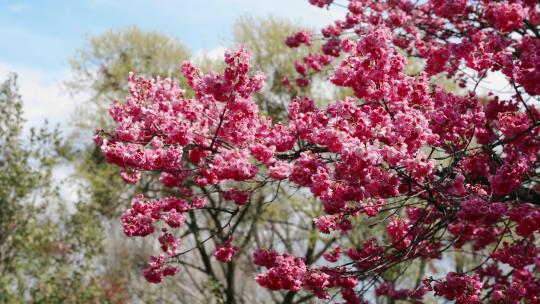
(44, 254)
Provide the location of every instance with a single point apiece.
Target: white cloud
(497, 83)
(17, 7)
(42, 94)
(216, 53)
(494, 82)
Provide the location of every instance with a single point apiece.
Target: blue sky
(44, 33)
(39, 36)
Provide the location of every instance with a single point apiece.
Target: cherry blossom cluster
(436, 169)
(143, 217)
(433, 30)
(286, 272)
(299, 38)
(388, 289)
(226, 251)
(461, 288)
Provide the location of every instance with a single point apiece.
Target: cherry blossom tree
(439, 171)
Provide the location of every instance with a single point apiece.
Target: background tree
(101, 66)
(46, 254)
